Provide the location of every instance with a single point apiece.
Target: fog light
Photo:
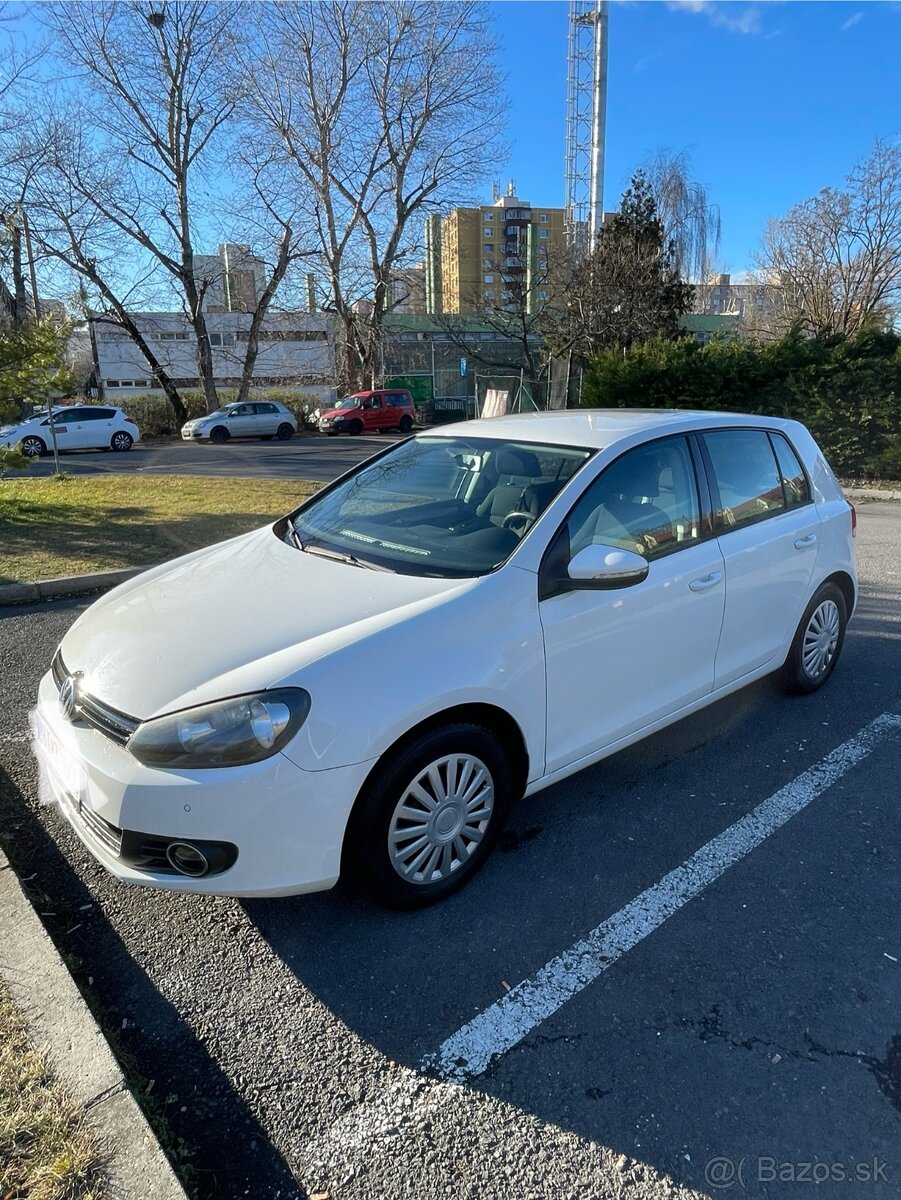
(187, 859)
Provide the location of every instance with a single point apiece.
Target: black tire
(354, 428)
(219, 435)
(367, 860)
(817, 642)
(32, 446)
(285, 432)
(406, 424)
(121, 441)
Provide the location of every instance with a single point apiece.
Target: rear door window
(794, 481)
(745, 472)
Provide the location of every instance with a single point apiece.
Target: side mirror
(606, 567)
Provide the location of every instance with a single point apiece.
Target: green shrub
(847, 390)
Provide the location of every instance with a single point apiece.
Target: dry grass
(68, 526)
(46, 1150)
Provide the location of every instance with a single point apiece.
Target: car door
(768, 531)
(620, 659)
(242, 421)
(97, 426)
(372, 414)
(70, 434)
(267, 419)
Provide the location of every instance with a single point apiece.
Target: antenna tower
(586, 120)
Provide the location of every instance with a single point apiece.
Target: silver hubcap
(121, 441)
(441, 818)
(821, 638)
(31, 447)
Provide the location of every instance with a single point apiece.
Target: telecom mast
(586, 119)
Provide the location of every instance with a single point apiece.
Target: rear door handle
(805, 542)
(708, 581)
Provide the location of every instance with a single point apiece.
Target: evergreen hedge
(846, 390)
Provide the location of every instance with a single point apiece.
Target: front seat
(630, 516)
(513, 493)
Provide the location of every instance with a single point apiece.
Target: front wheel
(219, 435)
(430, 816)
(355, 427)
(122, 441)
(32, 447)
(285, 432)
(818, 641)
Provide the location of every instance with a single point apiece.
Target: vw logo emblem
(68, 696)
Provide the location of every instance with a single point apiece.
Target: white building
(296, 351)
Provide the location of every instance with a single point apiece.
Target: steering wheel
(510, 518)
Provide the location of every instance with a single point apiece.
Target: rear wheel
(355, 427)
(220, 434)
(285, 432)
(818, 641)
(32, 447)
(121, 440)
(430, 816)
(406, 424)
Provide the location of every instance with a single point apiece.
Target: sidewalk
(60, 1024)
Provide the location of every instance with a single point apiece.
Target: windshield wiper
(341, 556)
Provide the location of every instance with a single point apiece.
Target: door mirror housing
(599, 566)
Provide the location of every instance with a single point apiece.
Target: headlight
(244, 729)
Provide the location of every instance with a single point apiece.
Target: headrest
(518, 462)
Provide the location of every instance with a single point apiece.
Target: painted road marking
(471, 1050)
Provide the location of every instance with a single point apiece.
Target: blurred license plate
(67, 776)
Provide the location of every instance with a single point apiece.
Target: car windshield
(446, 506)
(349, 402)
(220, 412)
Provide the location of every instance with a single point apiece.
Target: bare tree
(381, 112)
(691, 224)
(836, 258)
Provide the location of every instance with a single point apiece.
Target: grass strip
(47, 1151)
(76, 524)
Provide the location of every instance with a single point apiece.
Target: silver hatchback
(260, 419)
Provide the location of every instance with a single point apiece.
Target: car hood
(338, 412)
(233, 618)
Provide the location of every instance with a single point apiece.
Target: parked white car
(261, 419)
(77, 427)
(366, 685)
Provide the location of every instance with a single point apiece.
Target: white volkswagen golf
(366, 685)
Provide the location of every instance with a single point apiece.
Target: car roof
(598, 427)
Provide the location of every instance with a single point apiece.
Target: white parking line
(470, 1050)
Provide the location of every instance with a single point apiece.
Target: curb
(67, 585)
(60, 1023)
(868, 493)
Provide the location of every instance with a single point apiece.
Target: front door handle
(708, 581)
(805, 542)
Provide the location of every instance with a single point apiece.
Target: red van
(369, 412)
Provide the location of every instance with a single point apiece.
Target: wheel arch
(846, 586)
(490, 716)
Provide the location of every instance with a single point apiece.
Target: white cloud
(724, 16)
(851, 21)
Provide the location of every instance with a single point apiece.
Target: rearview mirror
(599, 566)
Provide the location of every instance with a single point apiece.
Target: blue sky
(772, 101)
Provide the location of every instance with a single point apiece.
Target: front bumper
(192, 435)
(287, 823)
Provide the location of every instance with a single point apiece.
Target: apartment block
(496, 256)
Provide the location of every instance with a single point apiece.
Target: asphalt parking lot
(659, 1022)
(307, 457)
